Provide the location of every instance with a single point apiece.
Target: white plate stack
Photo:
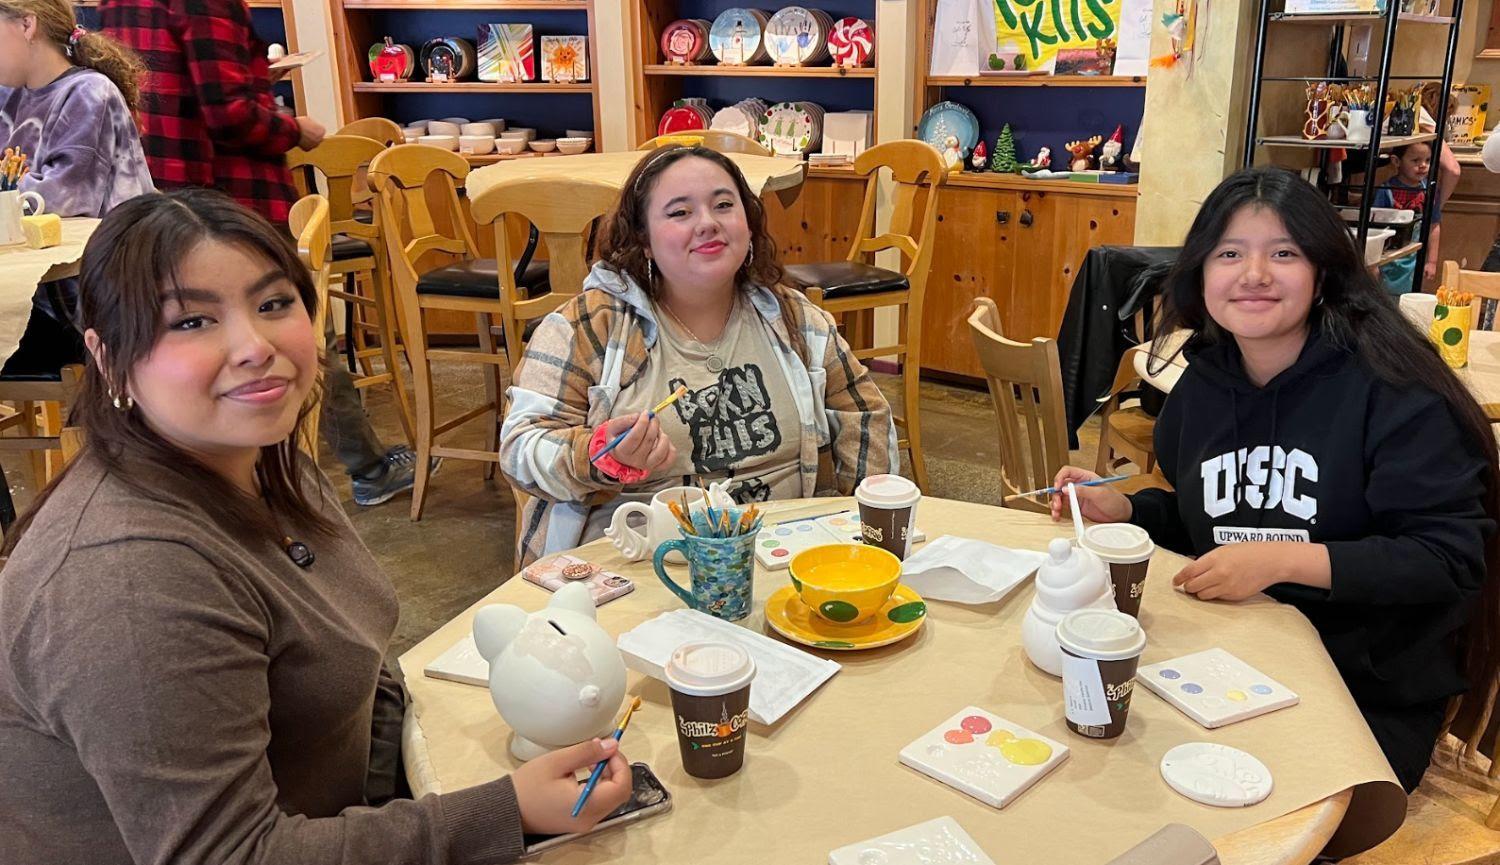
(742, 118)
(792, 128)
(798, 36)
(737, 37)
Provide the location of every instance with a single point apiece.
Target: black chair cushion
(346, 247)
(480, 278)
(32, 376)
(846, 278)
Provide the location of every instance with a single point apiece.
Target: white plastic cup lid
(887, 491)
(1105, 635)
(706, 669)
(1119, 542)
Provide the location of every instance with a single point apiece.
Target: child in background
(1407, 190)
(67, 100)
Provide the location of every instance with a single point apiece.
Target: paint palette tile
(936, 842)
(985, 756)
(1215, 688)
(778, 543)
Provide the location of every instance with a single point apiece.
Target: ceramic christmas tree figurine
(1004, 160)
(1083, 153)
(1109, 154)
(978, 161)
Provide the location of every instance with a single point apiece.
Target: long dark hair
(131, 257)
(626, 237)
(1354, 313)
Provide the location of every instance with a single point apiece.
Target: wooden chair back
(564, 213)
(310, 224)
(401, 177)
(1025, 382)
(720, 140)
(1484, 285)
(917, 169)
(387, 132)
(340, 160)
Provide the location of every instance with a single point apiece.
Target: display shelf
(468, 87)
(675, 69)
(1395, 254)
(468, 5)
(989, 180)
(1357, 18)
(1388, 142)
(492, 158)
(1036, 81)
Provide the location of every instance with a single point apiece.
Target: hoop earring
(123, 402)
(749, 255)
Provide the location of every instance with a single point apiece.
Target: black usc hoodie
(1326, 453)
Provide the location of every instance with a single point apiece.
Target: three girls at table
(1321, 452)
(67, 100)
(193, 634)
(688, 292)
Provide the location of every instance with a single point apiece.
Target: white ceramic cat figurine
(555, 675)
(1072, 578)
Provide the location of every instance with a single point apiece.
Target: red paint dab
(780, 553)
(958, 737)
(976, 724)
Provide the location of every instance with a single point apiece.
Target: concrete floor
(464, 545)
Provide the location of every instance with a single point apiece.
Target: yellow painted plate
(901, 616)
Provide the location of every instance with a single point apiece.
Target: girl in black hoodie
(1321, 452)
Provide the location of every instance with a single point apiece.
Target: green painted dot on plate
(796, 585)
(839, 611)
(907, 612)
(1453, 336)
(832, 644)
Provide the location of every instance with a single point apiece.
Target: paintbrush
(676, 395)
(1047, 491)
(599, 766)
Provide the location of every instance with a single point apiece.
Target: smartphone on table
(647, 797)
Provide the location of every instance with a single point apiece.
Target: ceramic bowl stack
(446, 142)
(452, 126)
(510, 146)
(737, 37)
(792, 128)
(798, 36)
(449, 58)
(852, 42)
(685, 115)
(742, 118)
(543, 145)
(686, 41)
(573, 146)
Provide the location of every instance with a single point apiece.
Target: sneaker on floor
(397, 475)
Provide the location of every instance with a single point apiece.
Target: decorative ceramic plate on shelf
(852, 42)
(686, 41)
(737, 36)
(448, 58)
(798, 36)
(390, 61)
(685, 115)
(901, 617)
(792, 128)
(949, 118)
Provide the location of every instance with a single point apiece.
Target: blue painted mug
(721, 572)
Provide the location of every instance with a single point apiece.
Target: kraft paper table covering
(827, 775)
(1483, 372)
(763, 173)
(21, 269)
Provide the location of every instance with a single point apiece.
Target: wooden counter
(1471, 218)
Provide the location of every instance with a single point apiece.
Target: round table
(763, 173)
(827, 774)
(23, 268)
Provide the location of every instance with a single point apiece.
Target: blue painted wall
(1052, 116)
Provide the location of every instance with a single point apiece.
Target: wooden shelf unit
(1036, 81)
(1389, 142)
(677, 69)
(354, 32)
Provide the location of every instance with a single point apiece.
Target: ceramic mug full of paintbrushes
(720, 551)
(13, 205)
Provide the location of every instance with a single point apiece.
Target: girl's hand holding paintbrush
(547, 787)
(645, 447)
(1100, 504)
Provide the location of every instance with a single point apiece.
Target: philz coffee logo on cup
(725, 727)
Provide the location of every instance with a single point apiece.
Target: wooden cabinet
(817, 220)
(1020, 244)
(1471, 218)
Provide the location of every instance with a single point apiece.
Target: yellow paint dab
(1237, 696)
(999, 738)
(1026, 752)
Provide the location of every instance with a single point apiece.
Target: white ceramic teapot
(1072, 578)
(555, 676)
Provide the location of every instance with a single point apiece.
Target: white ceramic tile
(1215, 688)
(936, 842)
(985, 756)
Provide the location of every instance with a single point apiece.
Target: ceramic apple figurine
(1072, 578)
(555, 675)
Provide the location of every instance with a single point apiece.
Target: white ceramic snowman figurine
(555, 676)
(1072, 578)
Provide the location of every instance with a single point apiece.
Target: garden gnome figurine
(1109, 154)
(953, 157)
(977, 161)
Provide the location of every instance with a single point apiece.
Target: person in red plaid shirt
(207, 115)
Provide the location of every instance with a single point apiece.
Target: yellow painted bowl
(845, 583)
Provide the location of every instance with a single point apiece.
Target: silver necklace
(714, 363)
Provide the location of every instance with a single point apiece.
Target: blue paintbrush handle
(616, 441)
(593, 779)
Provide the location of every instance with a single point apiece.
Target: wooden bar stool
(38, 407)
(858, 287)
(310, 224)
(719, 140)
(357, 257)
(387, 132)
(402, 177)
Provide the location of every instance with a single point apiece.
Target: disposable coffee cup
(888, 512)
(1126, 550)
(1100, 651)
(710, 684)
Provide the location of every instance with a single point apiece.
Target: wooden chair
(404, 177)
(1452, 818)
(563, 214)
(311, 225)
(1484, 285)
(39, 407)
(356, 253)
(387, 132)
(1025, 382)
(1126, 434)
(714, 139)
(855, 286)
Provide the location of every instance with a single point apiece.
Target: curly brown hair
(57, 21)
(625, 238)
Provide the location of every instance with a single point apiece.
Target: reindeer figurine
(1083, 153)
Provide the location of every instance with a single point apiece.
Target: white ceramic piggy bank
(555, 675)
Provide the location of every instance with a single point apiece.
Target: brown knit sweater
(171, 692)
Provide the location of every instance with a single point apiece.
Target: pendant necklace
(714, 363)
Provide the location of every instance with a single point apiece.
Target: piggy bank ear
(575, 598)
(495, 626)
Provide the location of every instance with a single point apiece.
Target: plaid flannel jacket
(598, 344)
(207, 114)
